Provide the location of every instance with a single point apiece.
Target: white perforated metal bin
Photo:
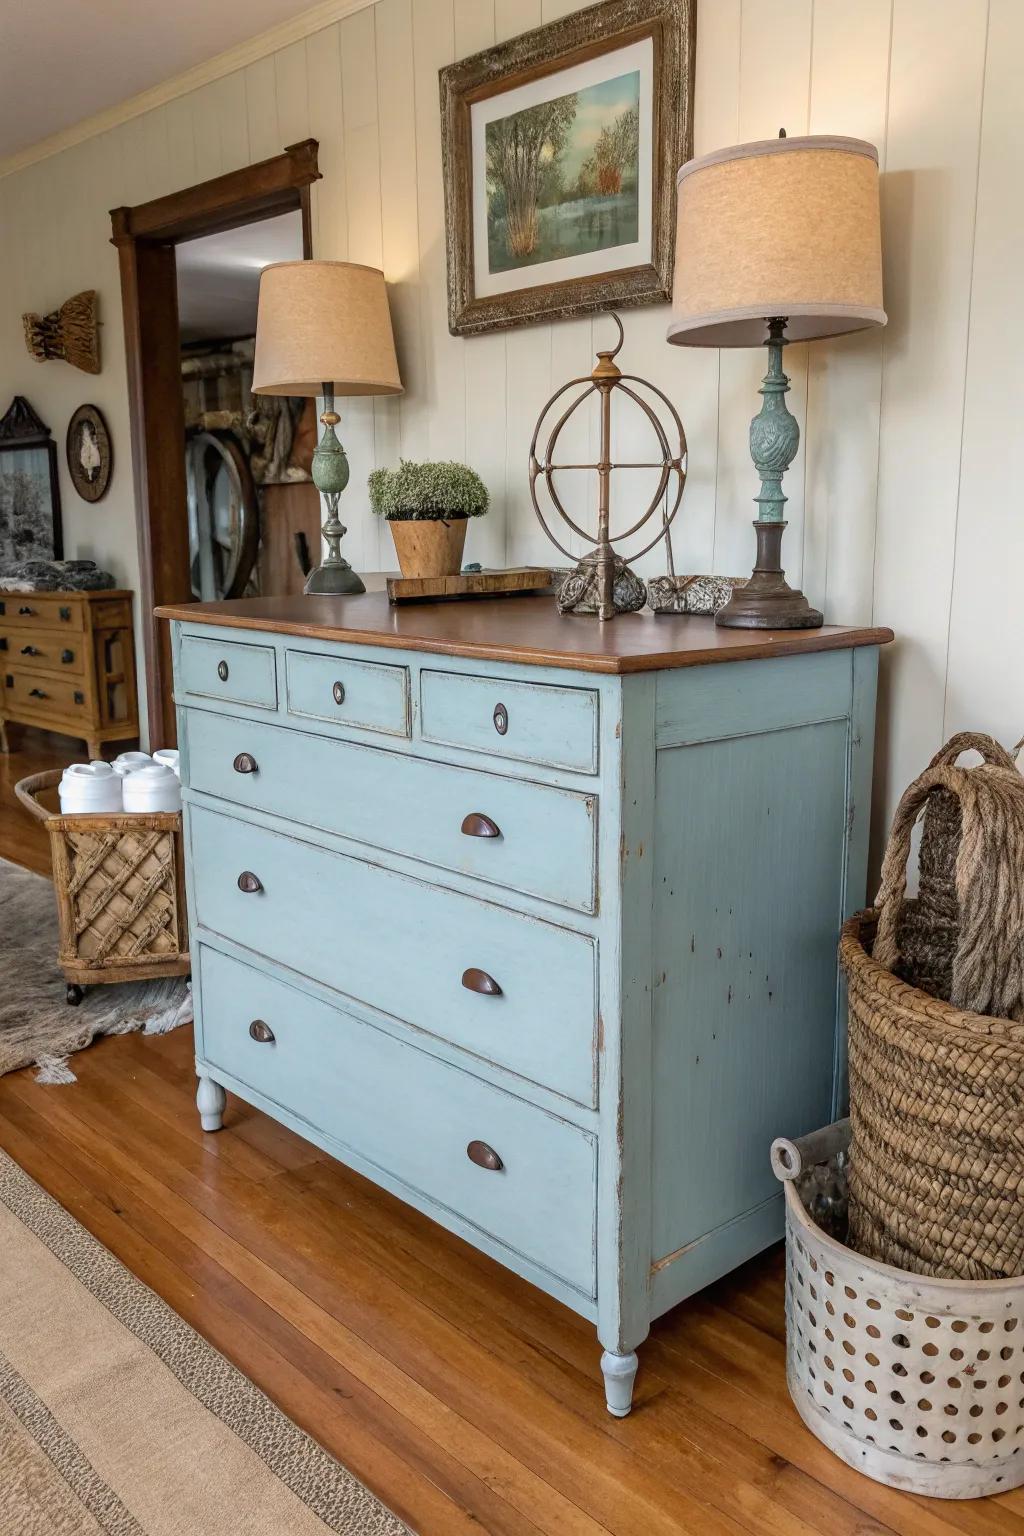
(918, 1383)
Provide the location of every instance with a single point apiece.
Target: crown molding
(293, 30)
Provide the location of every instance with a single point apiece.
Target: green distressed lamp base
(335, 577)
(333, 580)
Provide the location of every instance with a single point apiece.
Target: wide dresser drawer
(63, 696)
(524, 837)
(40, 650)
(224, 669)
(43, 610)
(410, 1115)
(531, 722)
(509, 988)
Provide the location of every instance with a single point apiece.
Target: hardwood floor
(466, 1399)
(22, 838)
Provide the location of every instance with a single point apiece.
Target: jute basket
(936, 1087)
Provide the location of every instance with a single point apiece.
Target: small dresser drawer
(223, 669)
(41, 650)
(57, 696)
(409, 1114)
(364, 694)
(42, 610)
(513, 990)
(524, 837)
(531, 722)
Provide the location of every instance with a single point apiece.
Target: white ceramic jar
(128, 762)
(90, 789)
(153, 787)
(171, 758)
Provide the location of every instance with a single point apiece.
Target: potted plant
(427, 507)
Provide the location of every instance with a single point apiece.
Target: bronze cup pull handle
(484, 1156)
(249, 883)
(37, 693)
(500, 718)
(222, 671)
(244, 763)
(261, 1033)
(25, 609)
(479, 981)
(29, 650)
(478, 825)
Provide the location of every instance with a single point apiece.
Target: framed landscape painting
(561, 149)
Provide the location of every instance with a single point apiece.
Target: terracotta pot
(429, 546)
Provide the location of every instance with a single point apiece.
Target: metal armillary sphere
(602, 583)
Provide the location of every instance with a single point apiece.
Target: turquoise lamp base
(335, 577)
(768, 601)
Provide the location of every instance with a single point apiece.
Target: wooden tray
(522, 578)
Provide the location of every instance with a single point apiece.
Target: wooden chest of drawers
(68, 665)
(531, 921)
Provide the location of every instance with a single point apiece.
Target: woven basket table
(918, 1383)
(120, 892)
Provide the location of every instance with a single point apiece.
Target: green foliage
(427, 491)
(518, 147)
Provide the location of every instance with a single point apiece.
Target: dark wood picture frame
(671, 24)
(145, 237)
(22, 430)
(90, 490)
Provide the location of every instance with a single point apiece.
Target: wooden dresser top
(527, 630)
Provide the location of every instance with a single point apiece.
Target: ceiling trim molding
(294, 30)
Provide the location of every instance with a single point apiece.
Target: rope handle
(26, 790)
(975, 741)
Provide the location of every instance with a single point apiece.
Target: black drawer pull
(3, 642)
(261, 1033)
(339, 693)
(25, 609)
(65, 614)
(67, 657)
(79, 697)
(479, 981)
(244, 763)
(484, 1156)
(29, 650)
(249, 883)
(478, 825)
(500, 718)
(37, 693)
(222, 671)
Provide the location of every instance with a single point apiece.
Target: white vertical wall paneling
(400, 423)
(985, 681)
(328, 210)
(485, 356)
(775, 62)
(935, 91)
(261, 109)
(206, 119)
(292, 94)
(849, 95)
(181, 143)
(156, 138)
(232, 120)
(362, 167)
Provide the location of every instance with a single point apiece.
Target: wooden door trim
(145, 237)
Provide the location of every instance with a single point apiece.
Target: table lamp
(324, 328)
(781, 234)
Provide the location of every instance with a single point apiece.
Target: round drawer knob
(339, 693)
(261, 1033)
(479, 981)
(484, 1156)
(500, 718)
(249, 883)
(222, 671)
(244, 763)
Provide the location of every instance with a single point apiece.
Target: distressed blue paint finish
(725, 803)
(553, 726)
(383, 1098)
(407, 805)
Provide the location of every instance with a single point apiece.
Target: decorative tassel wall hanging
(70, 333)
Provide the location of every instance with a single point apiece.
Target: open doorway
(179, 553)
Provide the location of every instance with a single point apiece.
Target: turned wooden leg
(94, 750)
(5, 745)
(619, 1376)
(210, 1099)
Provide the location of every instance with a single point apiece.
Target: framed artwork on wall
(89, 455)
(30, 523)
(560, 151)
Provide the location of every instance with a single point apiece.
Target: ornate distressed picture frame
(30, 520)
(560, 151)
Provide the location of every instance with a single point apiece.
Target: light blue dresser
(531, 921)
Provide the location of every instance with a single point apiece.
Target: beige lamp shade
(324, 322)
(784, 228)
